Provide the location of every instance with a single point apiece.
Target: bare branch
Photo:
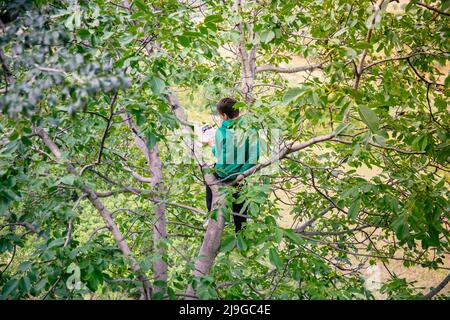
(61, 71)
(310, 67)
(405, 57)
(292, 147)
(360, 66)
(445, 13)
(308, 223)
(422, 77)
(438, 288)
(137, 176)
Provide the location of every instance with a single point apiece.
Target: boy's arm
(217, 148)
(207, 135)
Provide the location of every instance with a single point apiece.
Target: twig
(438, 288)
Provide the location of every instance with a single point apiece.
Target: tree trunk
(248, 66)
(159, 226)
(211, 242)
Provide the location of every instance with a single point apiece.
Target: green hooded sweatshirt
(236, 150)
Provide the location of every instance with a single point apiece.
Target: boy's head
(226, 109)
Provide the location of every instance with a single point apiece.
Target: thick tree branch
(211, 240)
(288, 149)
(137, 176)
(290, 70)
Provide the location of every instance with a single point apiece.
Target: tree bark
(247, 58)
(159, 226)
(290, 70)
(211, 242)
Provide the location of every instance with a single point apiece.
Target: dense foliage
(99, 196)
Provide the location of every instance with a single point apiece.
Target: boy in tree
(235, 151)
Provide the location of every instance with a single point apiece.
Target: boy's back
(237, 149)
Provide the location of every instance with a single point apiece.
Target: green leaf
(337, 34)
(157, 85)
(73, 281)
(275, 258)
(266, 36)
(211, 26)
(369, 117)
(69, 22)
(9, 287)
(350, 53)
(214, 214)
(83, 34)
(291, 94)
(13, 136)
(68, 179)
(440, 184)
(227, 244)
(24, 266)
(25, 284)
(379, 139)
(140, 5)
(77, 19)
(126, 39)
(241, 242)
(214, 18)
(401, 227)
(150, 140)
(293, 236)
(184, 41)
(341, 128)
(419, 143)
(278, 235)
(56, 243)
(27, 142)
(354, 209)
(160, 283)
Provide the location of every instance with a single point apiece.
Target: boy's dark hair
(225, 106)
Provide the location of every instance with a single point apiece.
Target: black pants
(237, 207)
